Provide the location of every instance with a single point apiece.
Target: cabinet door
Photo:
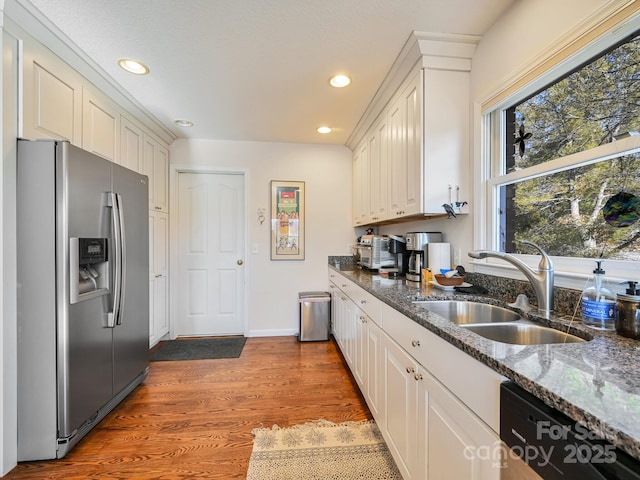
(405, 149)
(401, 409)
(52, 96)
(424, 380)
(361, 186)
(379, 174)
(446, 138)
(374, 378)
(349, 330)
(131, 140)
(158, 276)
(361, 357)
(412, 99)
(156, 167)
(459, 443)
(356, 188)
(100, 126)
(397, 155)
(338, 300)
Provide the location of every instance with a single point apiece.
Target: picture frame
(287, 220)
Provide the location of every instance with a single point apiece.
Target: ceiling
(257, 70)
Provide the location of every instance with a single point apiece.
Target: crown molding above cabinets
(432, 50)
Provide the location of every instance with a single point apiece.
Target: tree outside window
(570, 179)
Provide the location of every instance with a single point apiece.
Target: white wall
(525, 34)
(272, 286)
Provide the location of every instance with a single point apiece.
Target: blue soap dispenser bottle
(598, 302)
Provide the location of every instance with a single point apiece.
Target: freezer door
(84, 340)
(131, 332)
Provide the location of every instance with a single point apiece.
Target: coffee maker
(417, 244)
(398, 249)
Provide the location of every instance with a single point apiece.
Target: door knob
(240, 262)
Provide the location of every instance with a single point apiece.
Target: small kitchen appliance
(398, 249)
(374, 252)
(417, 243)
(628, 312)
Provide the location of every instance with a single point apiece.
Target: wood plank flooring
(193, 419)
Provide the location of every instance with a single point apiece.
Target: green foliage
(588, 108)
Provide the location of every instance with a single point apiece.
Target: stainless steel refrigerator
(83, 293)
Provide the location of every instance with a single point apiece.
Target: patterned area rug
(321, 451)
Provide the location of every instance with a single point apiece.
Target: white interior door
(210, 254)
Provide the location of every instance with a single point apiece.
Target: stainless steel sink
(496, 323)
(463, 312)
(522, 333)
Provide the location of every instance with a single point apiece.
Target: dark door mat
(200, 349)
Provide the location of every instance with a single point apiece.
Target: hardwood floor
(193, 419)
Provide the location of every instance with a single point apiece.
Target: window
(566, 164)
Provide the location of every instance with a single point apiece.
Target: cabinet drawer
(367, 303)
(474, 383)
(363, 299)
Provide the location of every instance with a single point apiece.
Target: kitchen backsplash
(507, 289)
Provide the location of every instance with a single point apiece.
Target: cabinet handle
(363, 302)
(415, 343)
(158, 275)
(344, 285)
(418, 377)
(158, 208)
(411, 370)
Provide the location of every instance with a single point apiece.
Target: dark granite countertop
(595, 383)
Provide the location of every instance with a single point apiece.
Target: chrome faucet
(541, 279)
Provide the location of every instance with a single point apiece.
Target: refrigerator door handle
(123, 257)
(114, 315)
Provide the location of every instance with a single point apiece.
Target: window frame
(571, 272)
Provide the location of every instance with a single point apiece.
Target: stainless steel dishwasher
(554, 446)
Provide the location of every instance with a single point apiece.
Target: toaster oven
(374, 252)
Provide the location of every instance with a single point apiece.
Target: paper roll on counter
(439, 256)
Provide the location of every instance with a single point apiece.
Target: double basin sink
(496, 323)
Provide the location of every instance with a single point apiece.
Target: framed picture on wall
(287, 220)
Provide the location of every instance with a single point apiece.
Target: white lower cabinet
(430, 432)
(400, 428)
(460, 445)
(374, 375)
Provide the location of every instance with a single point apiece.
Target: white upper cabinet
(361, 186)
(156, 167)
(131, 140)
(52, 96)
(59, 103)
(420, 156)
(379, 170)
(100, 125)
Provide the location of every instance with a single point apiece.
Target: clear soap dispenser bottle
(598, 302)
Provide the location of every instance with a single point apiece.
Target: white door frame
(174, 171)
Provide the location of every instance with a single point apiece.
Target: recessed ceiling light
(340, 81)
(323, 130)
(181, 122)
(133, 66)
